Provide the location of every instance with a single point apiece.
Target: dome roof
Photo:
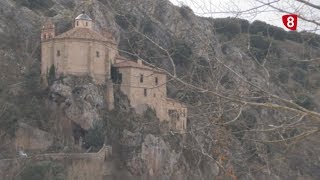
(83, 16)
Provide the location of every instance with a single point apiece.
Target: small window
(44, 36)
(141, 78)
(145, 92)
(156, 81)
(98, 54)
(86, 23)
(58, 53)
(77, 23)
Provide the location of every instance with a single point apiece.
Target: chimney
(139, 62)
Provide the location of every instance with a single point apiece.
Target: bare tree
(221, 96)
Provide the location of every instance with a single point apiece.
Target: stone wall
(80, 166)
(135, 90)
(180, 111)
(77, 57)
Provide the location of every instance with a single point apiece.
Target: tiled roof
(122, 62)
(82, 33)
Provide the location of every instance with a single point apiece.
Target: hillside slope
(221, 142)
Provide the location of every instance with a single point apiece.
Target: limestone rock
(61, 89)
(154, 159)
(81, 103)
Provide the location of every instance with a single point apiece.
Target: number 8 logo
(290, 21)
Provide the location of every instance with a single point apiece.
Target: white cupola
(83, 21)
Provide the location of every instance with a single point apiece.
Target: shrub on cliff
(95, 136)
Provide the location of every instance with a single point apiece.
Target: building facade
(82, 51)
(79, 51)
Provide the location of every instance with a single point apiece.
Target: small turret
(48, 31)
(83, 21)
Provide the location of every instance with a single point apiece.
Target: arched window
(58, 53)
(44, 36)
(98, 54)
(141, 78)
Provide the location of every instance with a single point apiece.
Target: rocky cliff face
(81, 101)
(143, 147)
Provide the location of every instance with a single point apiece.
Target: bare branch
(309, 4)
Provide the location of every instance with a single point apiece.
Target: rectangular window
(156, 81)
(98, 54)
(58, 53)
(141, 78)
(86, 23)
(77, 23)
(145, 92)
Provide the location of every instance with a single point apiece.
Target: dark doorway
(116, 76)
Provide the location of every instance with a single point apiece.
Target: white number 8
(290, 22)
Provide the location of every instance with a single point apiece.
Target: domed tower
(83, 21)
(80, 51)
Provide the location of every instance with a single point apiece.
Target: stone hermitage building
(82, 51)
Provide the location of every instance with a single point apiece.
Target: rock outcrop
(81, 103)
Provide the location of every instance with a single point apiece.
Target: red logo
(290, 21)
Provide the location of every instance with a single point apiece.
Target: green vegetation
(125, 21)
(284, 76)
(9, 119)
(305, 101)
(184, 11)
(95, 136)
(181, 53)
(259, 27)
(260, 47)
(230, 27)
(27, 106)
(35, 4)
(43, 170)
(149, 114)
(51, 75)
(295, 36)
(147, 27)
(299, 75)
